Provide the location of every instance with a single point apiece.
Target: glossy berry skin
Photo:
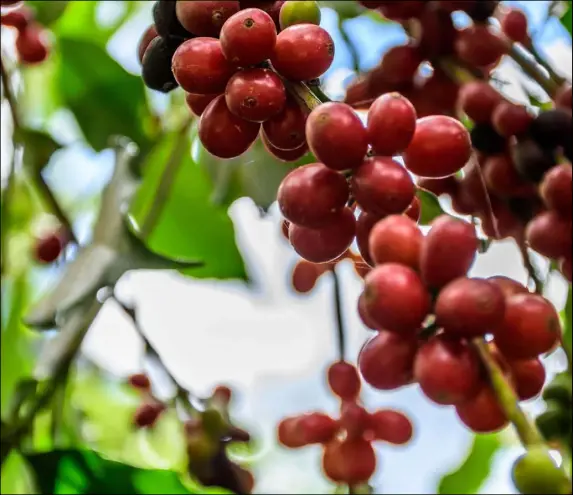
(343, 380)
(531, 327)
(299, 12)
(528, 375)
(550, 235)
(312, 196)
(166, 21)
(391, 426)
(478, 45)
(354, 419)
(363, 313)
(336, 136)
(248, 37)
(304, 276)
(470, 307)
(447, 370)
(441, 147)
(148, 36)
(200, 67)
(396, 298)
(502, 179)
(223, 134)
(284, 155)
(307, 429)
(482, 413)
(49, 248)
(508, 286)
(396, 239)
(478, 100)
(156, 66)
(303, 52)
(448, 251)
(350, 461)
(535, 472)
(382, 186)
(514, 25)
(204, 18)
(555, 189)
(386, 361)
(32, 45)
(509, 119)
(327, 243)
(391, 124)
(364, 224)
(255, 94)
(198, 103)
(286, 131)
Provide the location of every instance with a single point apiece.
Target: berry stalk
(339, 317)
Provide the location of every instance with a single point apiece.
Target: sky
(274, 345)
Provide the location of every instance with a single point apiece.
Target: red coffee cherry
(306, 429)
(439, 187)
(478, 45)
(363, 313)
(509, 119)
(304, 276)
(140, 381)
(391, 426)
(223, 394)
(502, 178)
(198, 103)
(528, 376)
(19, 18)
(354, 420)
(147, 414)
(508, 286)
(204, 18)
(364, 225)
(286, 131)
(396, 239)
(49, 247)
(478, 100)
(514, 25)
(148, 36)
(350, 461)
(400, 63)
(550, 235)
(343, 380)
(556, 190)
(482, 413)
(32, 45)
(414, 211)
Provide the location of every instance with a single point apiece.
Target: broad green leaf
(430, 206)
(38, 149)
(46, 13)
(567, 320)
(473, 472)
(105, 99)
(189, 224)
(566, 17)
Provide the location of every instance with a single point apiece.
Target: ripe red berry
(223, 134)
(303, 52)
(441, 146)
(312, 196)
(343, 380)
(382, 186)
(482, 413)
(284, 155)
(363, 313)
(148, 36)
(223, 394)
(478, 100)
(147, 414)
(556, 190)
(400, 63)
(448, 370)
(550, 235)
(32, 44)
(508, 286)
(528, 376)
(509, 119)
(199, 66)
(306, 429)
(396, 239)
(364, 225)
(140, 381)
(286, 131)
(255, 94)
(478, 45)
(514, 25)
(204, 18)
(349, 461)
(248, 37)
(304, 276)
(386, 361)
(531, 327)
(398, 11)
(198, 103)
(289, 433)
(502, 178)
(448, 251)
(354, 420)
(336, 136)
(391, 124)
(49, 248)
(391, 426)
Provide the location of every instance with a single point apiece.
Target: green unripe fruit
(296, 12)
(535, 473)
(560, 389)
(214, 423)
(555, 422)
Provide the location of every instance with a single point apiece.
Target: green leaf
(430, 206)
(472, 473)
(46, 13)
(38, 149)
(567, 320)
(566, 17)
(105, 99)
(190, 226)
(79, 472)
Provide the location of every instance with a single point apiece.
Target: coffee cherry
(437, 35)
(204, 18)
(414, 211)
(396, 298)
(156, 66)
(166, 21)
(511, 120)
(299, 12)
(198, 103)
(289, 433)
(514, 25)
(382, 186)
(304, 276)
(199, 66)
(336, 136)
(349, 461)
(32, 45)
(535, 472)
(531, 327)
(386, 361)
(456, 5)
(354, 420)
(284, 155)
(248, 37)
(312, 196)
(482, 413)
(255, 94)
(441, 146)
(502, 179)
(391, 426)
(552, 129)
(528, 376)
(469, 307)
(396, 239)
(19, 19)
(7, 3)
(447, 370)
(140, 381)
(364, 225)
(148, 36)
(343, 380)
(286, 131)
(223, 134)
(482, 10)
(363, 313)
(508, 286)
(147, 414)
(486, 139)
(303, 52)
(306, 429)
(531, 160)
(400, 63)
(478, 100)
(566, 268)
(49, 247)
(326, 243)
(271, 7)
(478, 45)
(550, 235)
(555, 189)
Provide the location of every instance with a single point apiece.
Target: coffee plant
(408, 169)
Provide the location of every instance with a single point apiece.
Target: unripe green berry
(555, 422)
(559, 389)
(299, 12)
(535, 472)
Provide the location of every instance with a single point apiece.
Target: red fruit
(336, 136)
(531, 327)
(509, 119)
(204, 18)
(441, 89)
(327, 243)
(441, 146)
(223, 134)
(343, 380)
(140, 381)
(478, 45)
(506, 223)
(470, 307)
(312, 196)
(478, 100)
(550, 235)
(386, 361)
(199, 66)
(6, 3)
(514, 25)
(148, 36)
(363, 314)
(556, 190)
(286, 131)
(566, 268)
(255, 94)
(304, 276)
(198, 103)
(437, 34)
(444, 185)
(284, 155)
(414, 210)
(400, 63)
(402, 10)
(382, 186)
(448, 251)
(49, 248)
(354, 420)
(391, 124)
(396, 239)
(147, 414)
(391, 426)
(317, 427)
(508, 286)
(18, 19)
(502, 178)
(364, 225)
(482, 413)
(303, 52)
(396, 298)
(350, 461)
(32, 45)
(448, 370)
(528, 376)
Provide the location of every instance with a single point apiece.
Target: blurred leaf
(472, 473)
(47, 13)
(190, 225)
(44, 97)
(105, 99)
(536, 102)
(38, 149)
(566, 17)
(567, 320)
(345, 9)
(430, 206)
(15, 477)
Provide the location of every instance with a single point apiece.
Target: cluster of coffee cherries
(348, 456)
(32, 43)
(207, 433)
(428, 312)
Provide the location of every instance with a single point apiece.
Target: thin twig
(531, 271)
(337, 293)
(10, 97)
(558, 79)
